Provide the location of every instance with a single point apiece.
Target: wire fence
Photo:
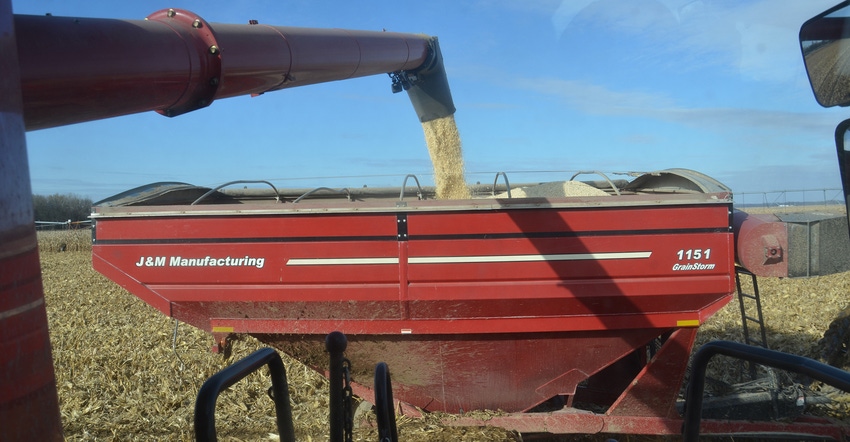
(63, 225)
(790, 198)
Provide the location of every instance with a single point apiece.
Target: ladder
(746, 301)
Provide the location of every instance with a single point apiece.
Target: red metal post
(29, 407)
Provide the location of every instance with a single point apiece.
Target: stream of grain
(444, 146)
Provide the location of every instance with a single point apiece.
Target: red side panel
(428, 272)
(582, 265)
(472, 308)
(257, 267)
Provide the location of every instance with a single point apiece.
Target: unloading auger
(83, 69)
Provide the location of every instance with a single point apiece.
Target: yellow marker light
(687, 323)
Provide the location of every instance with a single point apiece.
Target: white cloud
(565, 13)
(598, 100)
(595, 99)
(757, 39)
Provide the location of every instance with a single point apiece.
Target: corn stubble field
(119, 378)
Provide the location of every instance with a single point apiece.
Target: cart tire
(384, 404)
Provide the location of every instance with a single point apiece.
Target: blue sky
(561, 86)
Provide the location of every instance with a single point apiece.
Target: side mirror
(825, 43)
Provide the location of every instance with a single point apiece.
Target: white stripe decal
(530, 258)
(470, 259)
(339, 261)
(21, 309)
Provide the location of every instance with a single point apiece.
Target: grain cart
(588, 304)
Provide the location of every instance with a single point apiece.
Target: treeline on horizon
(61, 208)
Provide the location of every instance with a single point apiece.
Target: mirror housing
(842, 145)
(825, 44)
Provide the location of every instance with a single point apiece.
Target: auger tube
(174, 62)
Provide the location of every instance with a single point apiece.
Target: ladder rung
(756, 320)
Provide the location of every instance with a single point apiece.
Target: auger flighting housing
(175, 62)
